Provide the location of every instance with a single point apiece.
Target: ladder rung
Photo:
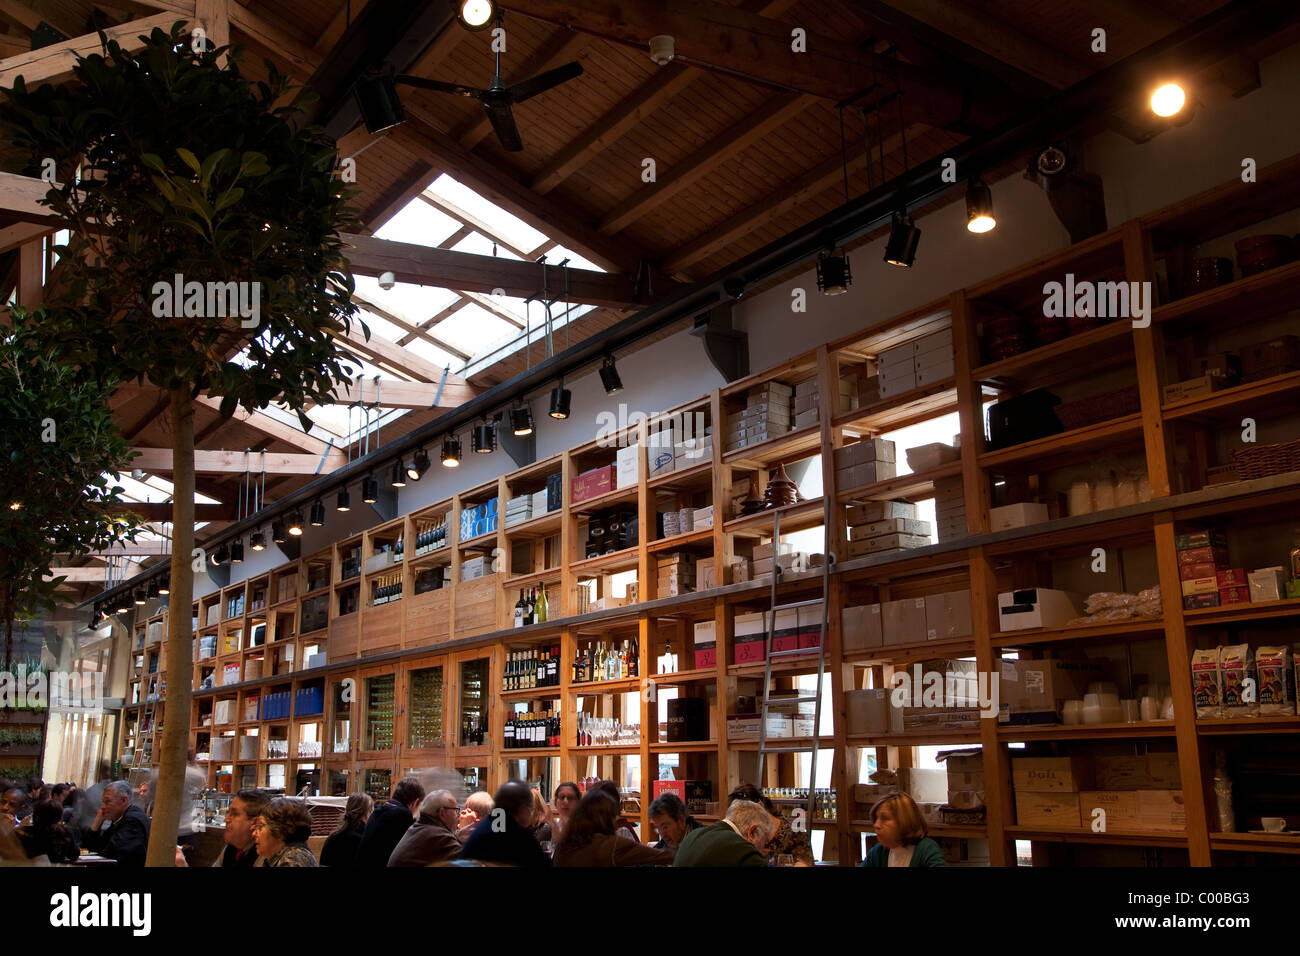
(793, 700)
(796, 604)
(786, 750)
(793, 651)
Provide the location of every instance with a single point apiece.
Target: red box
(1216, 556)
(670, 786)
(1232, 578)
(1193, 601)
(810, 639)
(785, 642)
(1234, 595)
(750, 652)
(1202, 569)
(589, 484)
(706, 657)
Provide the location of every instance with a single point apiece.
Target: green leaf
(189, 159)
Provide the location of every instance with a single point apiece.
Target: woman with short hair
(340, 849)
(589, 838)
(281, 834)
(901, 835)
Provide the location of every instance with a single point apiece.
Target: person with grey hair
(432, 838)
(478, 805)
(281, 833)
(120, 830)
(737, 840)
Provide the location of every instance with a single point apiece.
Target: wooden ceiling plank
(273, 35)
(411, 395)
(724, 146)
(20, 14)
(158, 461)
(272, 428)
(54, 63)
(339, 23)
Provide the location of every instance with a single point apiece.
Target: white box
(898, 356)
(627, 465)
(930, 374)
(893, 382)
(1035, 607)
(539, 503)
(924, 786)
(661, 460)
(1019, 515)
(1267, 584)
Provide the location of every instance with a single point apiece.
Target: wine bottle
(553, 667)
(519, 609)
(543, 609)
(622, 661)
(529, 601)
(509, 732)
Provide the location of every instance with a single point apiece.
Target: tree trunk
(178, 651)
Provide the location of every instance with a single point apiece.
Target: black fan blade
(503, 122)
(544, 81)
(438, 86)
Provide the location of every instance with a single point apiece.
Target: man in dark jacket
(120, 830)
(503, 836)
(431, 839)
(389, 823)
(737, 840)
(670, 819)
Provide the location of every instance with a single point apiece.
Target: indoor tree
(174, 164)
(60, 449)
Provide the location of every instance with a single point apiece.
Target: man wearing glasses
(432, 838)
(244, 809)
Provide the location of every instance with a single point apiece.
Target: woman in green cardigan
(900, 830)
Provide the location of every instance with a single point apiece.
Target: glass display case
(378, 783)
(215, 804)
(474, 675)
(424, 709)
(380, 709)
(341, 717)
(338, 783)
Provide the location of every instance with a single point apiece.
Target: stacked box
(864, 463)
(806, 409)
(702, 517)
(478, 520)
(474, 568)
(693, 451)
(965, 778)
(538, 502)
(591, 484)
(766, 416)
(750, 638)
(519, 510)
(1047, 789)
(627, 466)
(676, 573)
(661, 459)
(706, 644)
(1034, 692)
(919, 363)
(223, 712)
(959, 705)
(1202, 556)
(950, 509)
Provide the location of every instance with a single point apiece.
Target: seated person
(670, 819)
(901, 835)
(740, 839)
(431, 839)
(477, 806)
(47, 836)
(786, 841)
(240, 850)
(503, 836)
(589, 838)
(388, 823)
(120, 830)
(281, 834)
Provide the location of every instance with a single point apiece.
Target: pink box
(750, 652)
(670, 786)
(807, 639)
(706, 657)
(589, 484)
(785, 642)
(1234, 596)
(1232, 578)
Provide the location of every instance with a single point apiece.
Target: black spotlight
(521, 420)
(344, 502)
(277, 532)
(317, 514)
(419, 465)
(475, 15)
(138, 597)
(399, 475)
(560, 399)
(237, 551)
(124, 603)
(152, 589)
(609, 376)
(484, 440)
(370, 489)
(451, 451)
(295, 524)
(257, 541)
(979, 207)
(833, 274)
(165, 587)
(221, 556)
(376, 94)
(904, 237)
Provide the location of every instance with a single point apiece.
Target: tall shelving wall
(402, 677)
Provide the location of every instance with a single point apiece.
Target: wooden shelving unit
(460, 631)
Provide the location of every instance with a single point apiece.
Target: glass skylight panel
(431, 353)
(420, 223)
(481, 245)
(510, 228)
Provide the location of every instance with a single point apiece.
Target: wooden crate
(428, 618)
(476, 605)
(286, 587)
(381, 628)
(342, 645)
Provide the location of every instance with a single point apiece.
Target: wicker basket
(1265, 460)
(1098, 408)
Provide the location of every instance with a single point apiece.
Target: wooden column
(970, 414)
(998, 798)
(1149, 355)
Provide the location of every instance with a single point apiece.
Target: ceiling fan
(376, 93)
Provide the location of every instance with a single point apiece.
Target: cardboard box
(745, 726)
(1051, 774)
(627, 466)
(1033, 692)
(1157, 771)
(1218, 556)
(1207, 538)
(592, 483)
(1120, 806)
(804, 419)
(767, 549)
(908, 526)
(661, 461)
(1195, 602)
(1019, 515)
(959, 781)
(860, 628)
(948, 616)
(886, 542)
(1035, 607)
(879, 511)
(1267, 584)
(867, 473)
(894, 381)
(867, 450)
(1232, 578)
(1163, 810)
(1193, 388)
(924, 786)
(1200, 586)
(903, 622)
(1234, 596)
(1049, 810)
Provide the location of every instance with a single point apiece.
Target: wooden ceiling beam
(158, 461)
(162, 511)
(420, 395)
(748, 45)
(272, 428)
(20, 14)
(429, 323)
(379, 351)
(740, 135)
(21, 233)
(54, 63)
(408, 326)
(469, 272)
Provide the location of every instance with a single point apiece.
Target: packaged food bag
(1207, 687)
(1236, 667)
(1273, 671)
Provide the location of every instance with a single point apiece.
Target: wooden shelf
(915, 486)
(680, 540)
(899, 653)
(683, 746)
(608, 500)
(1256, 842)
(617, 560)
(684, 677)
(1223, 404)
(1101, 435)
(796, 517)
(822, 742)
(692, 477)
(520, 753)
(1226, 306)
(619, 751)
(931, 738)
(966, 832)
(1082, 835)
(532, 693)
(479, 542)
(901, 410)
(1062, 359)
(528, 580)
(790, 446)
(1249, 611)
(1235, 726)
(621, 686)
(1136, 629)
(1122, 731)
(540, 527)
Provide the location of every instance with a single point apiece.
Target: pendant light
(151, 590)
(257, 540)
(833, 274)
(398, 479)
(165, 586)
(904, 237)
(451, 451)
(979, 207)
(561, 399)
(521, 420)
(237, 551)
(370, 489)
(609, 376)
(484, 439)
(221, 556)
(1168, 99)
(317, 514)
(419, 465)
(277, 532)
(137, 596)
(344, 502)
(295, 524)
(475, 15)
